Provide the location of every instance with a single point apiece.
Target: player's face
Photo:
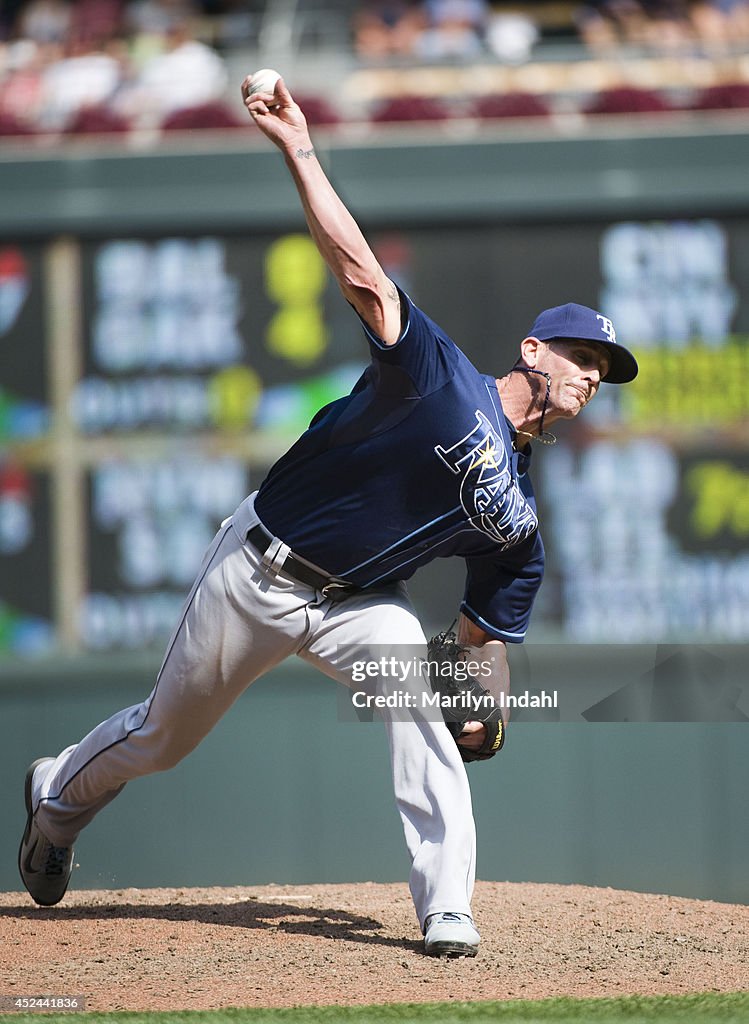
(576, 369)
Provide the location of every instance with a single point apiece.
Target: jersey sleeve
(423, 353)
(500, 590)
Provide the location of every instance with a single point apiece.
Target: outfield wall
(284, 791)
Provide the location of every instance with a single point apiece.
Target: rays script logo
(490, 497)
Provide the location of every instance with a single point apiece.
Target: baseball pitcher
(427, 457)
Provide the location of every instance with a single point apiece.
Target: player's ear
(530, 349)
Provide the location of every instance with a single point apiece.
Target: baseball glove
(462, 697)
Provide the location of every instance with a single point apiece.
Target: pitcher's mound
(283, 945)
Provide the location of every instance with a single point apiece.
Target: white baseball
(263, 80)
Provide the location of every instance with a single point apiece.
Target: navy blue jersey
(416, 463)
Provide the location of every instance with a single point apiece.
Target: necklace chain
(543, 435)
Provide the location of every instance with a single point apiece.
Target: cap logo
(607, 327)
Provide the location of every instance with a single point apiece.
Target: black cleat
(45, 868)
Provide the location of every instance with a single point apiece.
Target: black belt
(328, 586)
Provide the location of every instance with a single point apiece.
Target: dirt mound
(169, 949)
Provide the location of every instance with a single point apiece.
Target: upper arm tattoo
(394, 295)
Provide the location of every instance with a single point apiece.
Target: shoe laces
(452, 917)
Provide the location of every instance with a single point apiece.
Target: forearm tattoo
(304, 154)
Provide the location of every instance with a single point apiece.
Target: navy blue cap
(582, 323)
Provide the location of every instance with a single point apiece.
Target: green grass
(721, 1008)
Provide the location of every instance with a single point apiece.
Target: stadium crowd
(429, 29)
(110, 65)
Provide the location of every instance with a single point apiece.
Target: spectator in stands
(235, 22)
(454, 28)
(511, 36)
(158, 17)
(186, 74)
(387, 28)
(652, 24)
(21, 85)
(148, 23)
(44, 21)
(720, 24)
(668, 25)
(88, 75)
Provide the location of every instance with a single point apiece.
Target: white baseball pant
(240, 619)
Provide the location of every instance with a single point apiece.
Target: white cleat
(450, 934)
(45, 868)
